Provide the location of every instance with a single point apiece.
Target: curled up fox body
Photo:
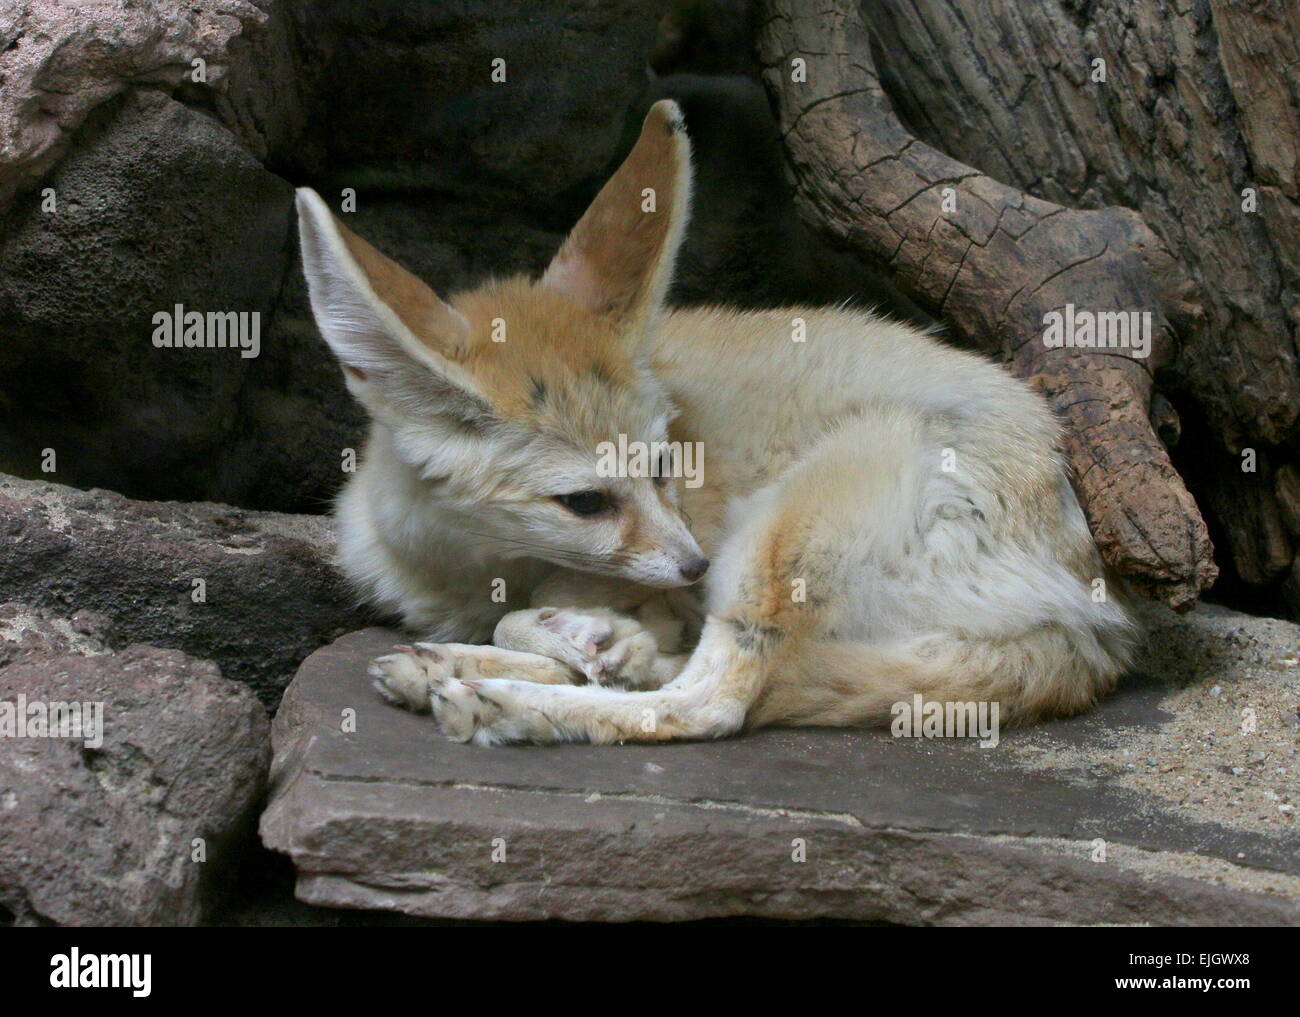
(879, 517)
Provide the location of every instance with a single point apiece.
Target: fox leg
(406, 677)
(546, 646)
(708, 700)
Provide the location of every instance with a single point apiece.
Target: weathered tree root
(992, 261)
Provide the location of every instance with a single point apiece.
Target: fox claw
(403, 678)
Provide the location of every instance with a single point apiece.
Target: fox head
(499, 400)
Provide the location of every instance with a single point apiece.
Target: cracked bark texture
(991, 266)
(1199, 117)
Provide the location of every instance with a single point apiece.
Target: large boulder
(158, 205)
(60, 61)
(253, 591)
(138, 815)
(1162, 806)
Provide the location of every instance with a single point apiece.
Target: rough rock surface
(270, 594)
(26, 632)
(59, 61)
(142, 828)
(158, 206)
(1079, 821)
(413, 95)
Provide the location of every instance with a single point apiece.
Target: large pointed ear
(397, 342)
(619, 258)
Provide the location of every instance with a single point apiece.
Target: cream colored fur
(885, 516)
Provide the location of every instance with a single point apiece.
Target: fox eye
(586, 503)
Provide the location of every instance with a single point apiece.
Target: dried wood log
(1190, 115)
(992, 262)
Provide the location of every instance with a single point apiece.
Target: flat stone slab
(1124, 815)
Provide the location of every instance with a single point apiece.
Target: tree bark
(992, 261)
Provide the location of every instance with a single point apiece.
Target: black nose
(692, 570)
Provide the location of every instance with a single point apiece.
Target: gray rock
(60, 61)
(144, 827)
(377, 811)
(270, 592)
(27, 632)
(157, 206)
(158, 201)
(410, 102)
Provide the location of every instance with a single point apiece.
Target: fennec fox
(886, 517)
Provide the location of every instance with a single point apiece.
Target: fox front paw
(462, 712)
(605, 648)
(404, 678)
(629, 663)
(423, 678)
(573, 638)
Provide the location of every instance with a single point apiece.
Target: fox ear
(397, 342)
(619, 258)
